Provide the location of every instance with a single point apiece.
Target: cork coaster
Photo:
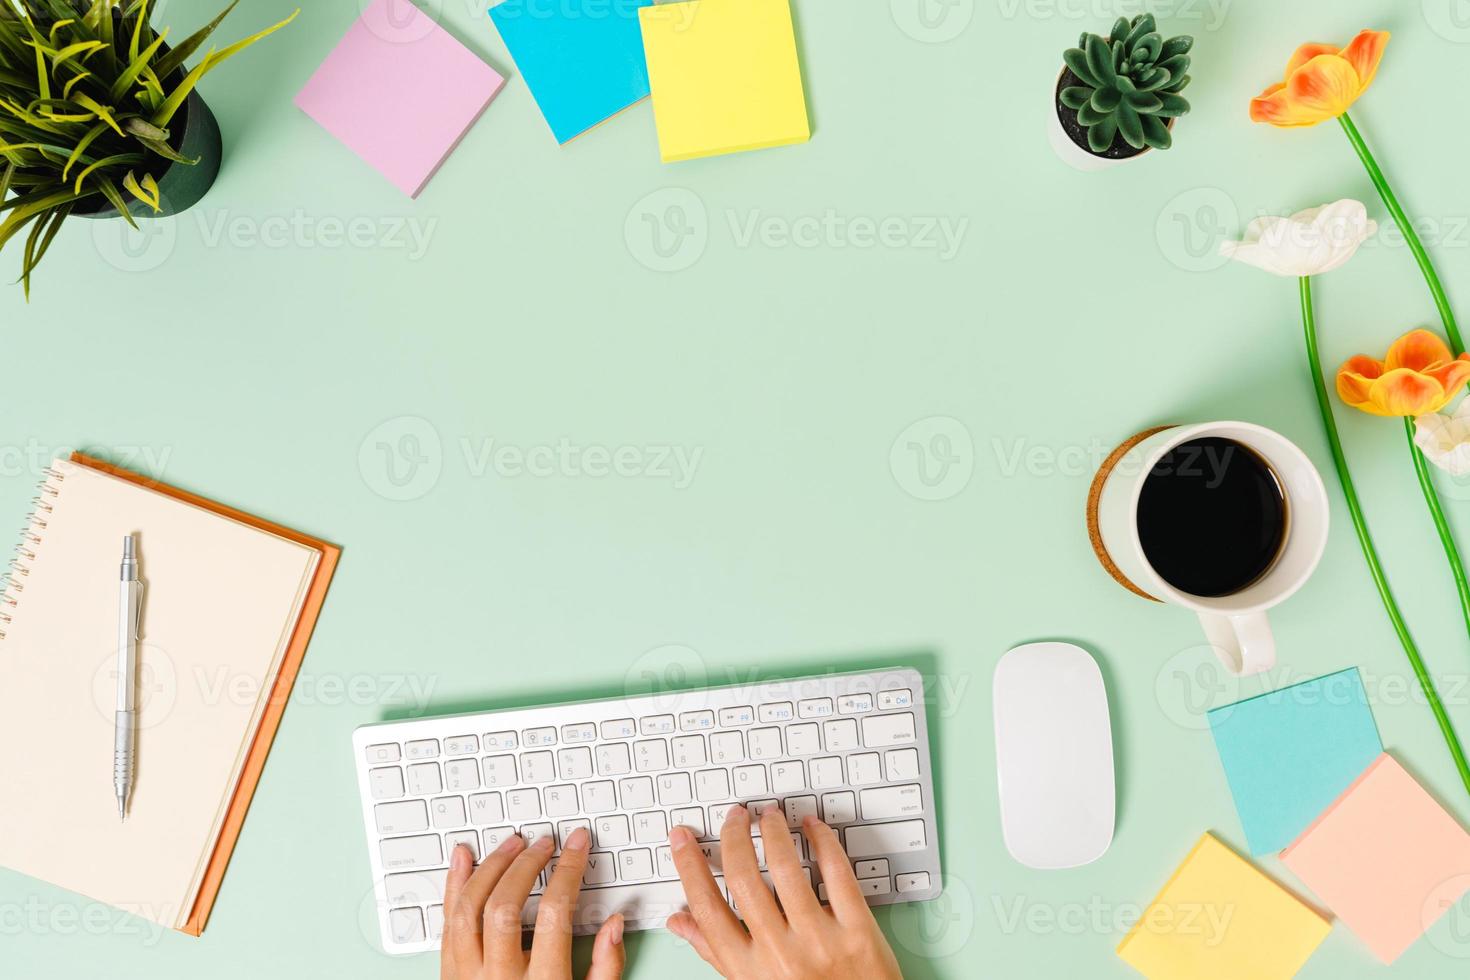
(1094, 495)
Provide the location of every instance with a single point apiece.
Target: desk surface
(584, 423)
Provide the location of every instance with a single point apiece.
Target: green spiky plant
(88, 92)
(1129, 84)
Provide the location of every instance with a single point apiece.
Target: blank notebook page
(221, 602)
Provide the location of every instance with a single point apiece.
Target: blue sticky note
(582, 59)
(1289, 754)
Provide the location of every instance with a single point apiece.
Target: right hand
(806, 941)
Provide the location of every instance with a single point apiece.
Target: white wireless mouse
(1054, 756)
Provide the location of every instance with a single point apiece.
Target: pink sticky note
(1385, 858)
(400, 92)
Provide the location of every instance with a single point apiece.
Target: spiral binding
(12, 584)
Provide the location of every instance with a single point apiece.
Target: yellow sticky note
(725, 76)
(1220, 918)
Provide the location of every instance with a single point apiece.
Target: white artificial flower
(1445, 439)
(1308, 243)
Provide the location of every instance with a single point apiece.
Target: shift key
(876, 840)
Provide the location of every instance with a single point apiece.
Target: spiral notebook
(229, 605)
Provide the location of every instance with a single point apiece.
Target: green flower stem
(1410, 235)
(1370, 552)
(1441, 523)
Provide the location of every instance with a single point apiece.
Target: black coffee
(1212, 517)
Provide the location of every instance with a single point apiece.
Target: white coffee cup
(1235, 624)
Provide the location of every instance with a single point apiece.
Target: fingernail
(737, 812)
(461, 858)
(511, 843)
(680, 838)
(544, 844)
(577, 840)
(810, 821)
(617, 930)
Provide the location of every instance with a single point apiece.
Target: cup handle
(1244, 644)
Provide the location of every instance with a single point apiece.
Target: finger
(503, 911)
(551, 948)
(843, 892)
(461, 943)
(743, 876)
(608, 954)
(469, 910)
(793, 882)
(717, 924)
(682, 924)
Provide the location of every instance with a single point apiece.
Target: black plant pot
(194, 134)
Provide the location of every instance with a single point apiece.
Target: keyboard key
(424, 748)
(914, 881)
(674, 788)
(498, 770)
(717, 816)
(522, 803)
(436, 921)
(599, 797)
(884, 730)
(873, 840)
(899, 698)
(826, 772)
(689, 751)
(657, 725)
(538, 767)
(424, 779)
(650, 827)
(737, 717)
(696, 721)
(757, 810)
(468, 838)
(564, 830)
(764, 743)
(863, 769)
(876, 868)
(561, 801)
(853, 704)
(798, 808)
(891, 801)
(751, 781)
(787, 777)
(901, 764)
(448, 812)
(575, 763)
(611, 831)
(727, 747)
(485, 809)
(650, 898)
(495, 836)
(402, 818)
(461, 745)
(387, 752)
(404, 853)
(462, 775)
(636, 793)
(536, 738)
(689, 816)
(841, 734)
(600, 869)
(814, 708)
(406, 925)
(533, 832)
(665, 858)
(582, 732)
(500, 742)
(711, 852)
(386, 784)
(416, 887)
(874, 886)
(804, 739)
(776, 711)
(712, 785)
(621, 728)
(636, 864)
(613, 759)
(651, 756)
(838, 808)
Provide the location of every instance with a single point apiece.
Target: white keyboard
(851, 748)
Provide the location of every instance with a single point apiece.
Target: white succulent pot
(1076, 156)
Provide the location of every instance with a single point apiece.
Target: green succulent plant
(1130, 84)
(88, 91)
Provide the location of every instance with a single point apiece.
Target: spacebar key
(656, 900)
(875, 840)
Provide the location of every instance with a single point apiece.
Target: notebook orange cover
(280, 692)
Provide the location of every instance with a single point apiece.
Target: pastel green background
(253, 351)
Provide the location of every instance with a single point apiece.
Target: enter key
(892, 801)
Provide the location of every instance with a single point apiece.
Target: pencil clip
(138, 612)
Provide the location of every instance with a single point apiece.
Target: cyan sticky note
(581, 59)
(1288, 754)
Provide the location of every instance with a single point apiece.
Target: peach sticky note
(1220, 918)
(1385, 858)
(725, 76)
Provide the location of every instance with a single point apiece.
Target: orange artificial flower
(1418, 376)
(1321, 82)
